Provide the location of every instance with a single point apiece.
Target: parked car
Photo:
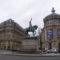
(52, 51)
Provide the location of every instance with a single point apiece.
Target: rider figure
(30, 25)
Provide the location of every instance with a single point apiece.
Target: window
(58, 33)
(50, 34)
(59, 20)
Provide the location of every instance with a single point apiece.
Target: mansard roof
(11, 23)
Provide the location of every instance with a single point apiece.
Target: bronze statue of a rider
(31, 28)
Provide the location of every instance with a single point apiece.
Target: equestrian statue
(31, 28)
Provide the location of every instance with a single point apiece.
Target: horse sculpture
(31, 28)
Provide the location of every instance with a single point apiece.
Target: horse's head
(35, 27)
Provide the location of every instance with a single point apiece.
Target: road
(27, 57)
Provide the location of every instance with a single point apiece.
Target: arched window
(49, 34)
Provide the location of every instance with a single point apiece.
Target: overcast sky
(21, 11)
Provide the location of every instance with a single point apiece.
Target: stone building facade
(14, 38)
(50, 34)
